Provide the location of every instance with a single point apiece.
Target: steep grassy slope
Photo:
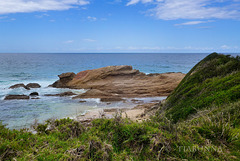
(213, 81)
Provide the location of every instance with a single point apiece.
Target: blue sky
(85, 26)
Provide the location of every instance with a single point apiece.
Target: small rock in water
(16, 97)
(18, 86)
(137, 101)
(34, 94)
(82, 101)
(67, 94)
(35, 98)
(111, 99)
(33, 85)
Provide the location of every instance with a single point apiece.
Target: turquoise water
(44, 68)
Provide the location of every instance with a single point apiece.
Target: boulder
(34, 94)
(64, 78)
(33, 85)
(64, 94)
(18, 86)
(16, 97)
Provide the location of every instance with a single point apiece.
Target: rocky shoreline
(110, 84)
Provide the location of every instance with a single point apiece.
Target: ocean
(45, 68)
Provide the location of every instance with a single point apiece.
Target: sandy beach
(138, 113)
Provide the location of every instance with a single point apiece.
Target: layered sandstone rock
(118, 82)
(64, 79)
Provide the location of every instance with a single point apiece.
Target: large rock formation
(120, 81)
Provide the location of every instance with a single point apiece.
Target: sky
(119, 26)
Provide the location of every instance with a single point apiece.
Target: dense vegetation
(209, 92)
(213, 81)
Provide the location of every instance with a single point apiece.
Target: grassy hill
(213, 81)
(199, 121)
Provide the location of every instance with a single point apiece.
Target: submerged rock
(137, 101)
(16, 97)
(67, 94)
(18, 86)
(104, 96)
(33, 85)
(35, 98)
(64, 94)
(111, 99)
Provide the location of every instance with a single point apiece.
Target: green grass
(213, 81)
(199, 121)
(211, 135)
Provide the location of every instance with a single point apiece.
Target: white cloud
(3, 17)
(192, 9)
(132, 2)
(90, 18)
(163, 49)
(225, 47)
(229, 48)
(42, 15)
(192, 23)
(18, 6)
(7, 19)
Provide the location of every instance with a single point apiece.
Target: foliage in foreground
(213, 81)
(209, 92)
(213, 135)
